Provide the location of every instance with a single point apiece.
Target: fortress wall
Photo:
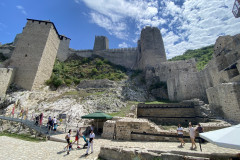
(224, 99)
(81, 53)
(63, 49)
(186, 86)
(49, 54)
(6, 78)
(29, 48)
(126, 58)
(238, 65)
(167, 70)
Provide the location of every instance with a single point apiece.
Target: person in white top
(91, 138)
(54, 124)
(180, 134)
(192, 135)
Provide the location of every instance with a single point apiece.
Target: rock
(101, 83)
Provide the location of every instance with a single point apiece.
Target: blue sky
(184, 24)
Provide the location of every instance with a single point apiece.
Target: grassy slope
(125, 110)
(202, 56)
(77, 69)
(21, 136)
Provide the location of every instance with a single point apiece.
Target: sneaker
(86, 154)
(68, 152)
(78, 147)
(91, 152)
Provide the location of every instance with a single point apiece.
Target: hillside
(2, 57)
(202, 56)
(76, 69)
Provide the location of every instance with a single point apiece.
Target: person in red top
(78, 134)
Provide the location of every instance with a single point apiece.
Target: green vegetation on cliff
(2, 57)
(76, 69)
(202, 56)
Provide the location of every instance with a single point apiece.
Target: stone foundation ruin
(173, 113)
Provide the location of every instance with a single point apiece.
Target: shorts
(68, 141)
(180, 135)
(76, 138)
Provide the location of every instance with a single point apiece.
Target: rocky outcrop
(101, 83)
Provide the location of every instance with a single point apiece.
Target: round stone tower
(152, 50)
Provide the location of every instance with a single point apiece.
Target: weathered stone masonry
(35, 53)
(39, 43)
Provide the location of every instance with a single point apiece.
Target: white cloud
(123, 45)
(22, 9)
(199, 24)
(114, 28)
(193, 24)
(119, 11)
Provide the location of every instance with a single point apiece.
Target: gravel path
(11, 148)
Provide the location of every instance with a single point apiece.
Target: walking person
(78, 134)
(55, 124)
(200, 130)
(180, 134)
(41, 118)
(91, 138)
(48, 122)
(33, 116)
(192, 134)
(67, 137)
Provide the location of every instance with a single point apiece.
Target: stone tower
(151, 48)
(62, 53)
(101, 43)
(35, 54)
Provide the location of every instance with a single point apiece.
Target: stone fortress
(34, 51)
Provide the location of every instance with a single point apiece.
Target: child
(69, 147)
(86, 141)
(67, 137)
(78, 134)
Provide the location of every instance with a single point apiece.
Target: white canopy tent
(226, 137)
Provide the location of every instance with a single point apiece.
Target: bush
(76, 81)
(99, 63)
(94, 71)
(57, 82)
(68, 81)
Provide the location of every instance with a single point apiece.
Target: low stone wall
(109, 129)
(173, 113)
(144, 130)
(124, 153)
(120, 153)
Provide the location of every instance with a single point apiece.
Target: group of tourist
(192, 134)
(52, 124)
(38, 119)
(88, 143)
